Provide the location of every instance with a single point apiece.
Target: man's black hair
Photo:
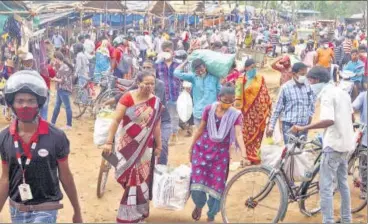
(319, 72)
(197, 63)
(298, 66)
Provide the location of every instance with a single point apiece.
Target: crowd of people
(236, 110)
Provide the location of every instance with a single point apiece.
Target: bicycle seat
(126, 83)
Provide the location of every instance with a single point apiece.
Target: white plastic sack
(300, 167)
(170, 187)
(101, 130)
(102, 125)
(270, 154)
(184, 106)
(277, 136)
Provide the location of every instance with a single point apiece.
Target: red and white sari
(135, 152)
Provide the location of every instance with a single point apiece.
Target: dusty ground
(85, 161)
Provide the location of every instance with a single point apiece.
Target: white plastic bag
(170, 187)
(270, 154)
(300, 167)
(184, 106)
(277, 136)
(102, 125)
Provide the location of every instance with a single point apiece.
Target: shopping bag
(270, 154)
(300, 167)
(102, 125)
(184, 106)
(218, 64)
(170, 187)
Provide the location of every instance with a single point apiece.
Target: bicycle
(356, 167)
(276, 180)
(277, 177)
(82, 95)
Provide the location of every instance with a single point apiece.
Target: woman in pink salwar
(139, 110)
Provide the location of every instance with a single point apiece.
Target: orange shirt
(324, 57)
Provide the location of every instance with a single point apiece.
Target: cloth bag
(171, 187)
(184, 106)
(218, 64)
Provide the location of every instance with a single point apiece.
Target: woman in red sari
(253, 100)
(139, 110)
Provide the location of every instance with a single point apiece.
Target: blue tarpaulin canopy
(115, 20)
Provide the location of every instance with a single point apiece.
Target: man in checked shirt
(295, 103)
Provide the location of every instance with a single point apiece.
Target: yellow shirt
(325, 57)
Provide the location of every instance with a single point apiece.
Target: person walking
(205, 86)
(254, 101)
(338, 140)
(139, 111)
(283, 65)
(295, 103)
(165, 72)
(210, 152)
(102, 61)
(64, 80)
(34, 156)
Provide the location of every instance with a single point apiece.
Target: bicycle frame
(295, 195)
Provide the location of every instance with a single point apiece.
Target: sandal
(245, 163)
(196, 214)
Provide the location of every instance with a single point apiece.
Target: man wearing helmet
(34, 156)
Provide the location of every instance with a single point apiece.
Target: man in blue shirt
(204, 85)
(360, 104)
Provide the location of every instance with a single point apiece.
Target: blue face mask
(251, 73)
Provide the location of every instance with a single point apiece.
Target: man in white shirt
(142, 46)
(338, 140)
(89, 50)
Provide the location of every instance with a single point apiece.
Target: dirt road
(85, 160)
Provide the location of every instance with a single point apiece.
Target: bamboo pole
(163, 14)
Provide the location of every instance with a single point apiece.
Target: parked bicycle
(278, 190)
(83, 98)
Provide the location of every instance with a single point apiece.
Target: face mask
(301, 79)
(26, 114)
(251, 73)
(325, 46)
(165, 55)
(317, 88)
(225, 106)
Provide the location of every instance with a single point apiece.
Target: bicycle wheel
(309, 205)
(356, 168)
(99, 104)
(239, 206)
(102, 177)
(80, 101)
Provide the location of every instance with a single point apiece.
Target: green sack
(217, 64)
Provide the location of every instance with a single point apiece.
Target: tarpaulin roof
(139, 6)
(9, 6)
(105, 5)
(61, 19)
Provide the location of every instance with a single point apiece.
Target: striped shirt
(339, 54)
(274, 39)
(347, 45)
(294, 104)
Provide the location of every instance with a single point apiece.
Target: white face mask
(166, 55)
(325, 46)
(317, 88)
(301, 79)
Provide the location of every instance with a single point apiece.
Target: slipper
(245, 163)
(196, 214)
